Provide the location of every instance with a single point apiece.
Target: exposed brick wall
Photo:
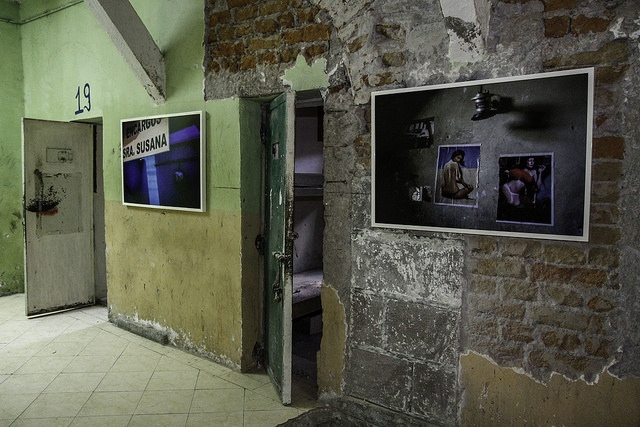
(552, 306)
(563, 17)
(245, 36)
(543, 306)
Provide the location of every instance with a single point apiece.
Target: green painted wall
(11, 110)
(180, 272)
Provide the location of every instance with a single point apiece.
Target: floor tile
(138, 350)
(211, 367)
(83, 335)
(182, 356)
(111, 403)
(268, 418)
(210, 381)
(10, 330)
(13, 404)
(76, 369)
(105, 421)
(165, 402)
(248, 381)
(91, 364)
(141, 363)
(27, 383)
(21, 349)
(84, 381)
(173, 380)
(62, 348)
(268, 390)
(45, 364)
(258, 402)
(221, 419)
(56, 405)
(113, 329)
(42, 422)
(105, 346)
(221, 400)
(125, 381)
(8, 365)
(167, 363)
(169, 420)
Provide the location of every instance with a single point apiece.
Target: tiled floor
(77, 369)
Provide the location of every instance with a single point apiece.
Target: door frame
(99, 225)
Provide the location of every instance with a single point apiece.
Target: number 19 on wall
(84, 99)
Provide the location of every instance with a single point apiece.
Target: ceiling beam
(132, 39)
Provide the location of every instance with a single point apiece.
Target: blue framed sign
(163, 161)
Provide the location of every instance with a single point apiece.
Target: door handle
(276, 287)
(280, 257)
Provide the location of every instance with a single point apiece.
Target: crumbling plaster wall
(11, 112)
(423, 312)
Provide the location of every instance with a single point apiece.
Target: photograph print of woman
(526, 188)
(457, 175)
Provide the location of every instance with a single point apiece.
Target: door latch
(277, 284)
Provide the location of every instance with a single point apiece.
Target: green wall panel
(11, 110)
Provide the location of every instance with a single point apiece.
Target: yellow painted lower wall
(179, 272)
(496, 396)
(251, 290)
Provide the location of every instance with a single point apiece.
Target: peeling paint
(465, 43)
(410, 268)
(332, 348)
(154, 331)
(494, 394)
(303, 76)
(45, 202)
(466, 31)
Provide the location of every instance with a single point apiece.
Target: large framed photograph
(502, 157)
(163, 161)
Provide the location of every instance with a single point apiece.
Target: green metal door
(278, 254)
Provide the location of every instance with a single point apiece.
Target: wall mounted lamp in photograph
(485, 105)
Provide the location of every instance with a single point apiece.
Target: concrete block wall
(405, 323)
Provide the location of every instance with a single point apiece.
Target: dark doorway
(308, 227)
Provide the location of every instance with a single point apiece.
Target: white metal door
(58, 201)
